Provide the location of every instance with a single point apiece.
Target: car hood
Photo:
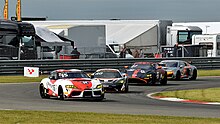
(132, 72)
(169, 68)
(108, 80)
(82, 83)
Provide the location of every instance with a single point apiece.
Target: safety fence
(16, 67)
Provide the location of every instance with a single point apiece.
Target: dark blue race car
(146, 73)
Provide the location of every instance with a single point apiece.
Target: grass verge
(208, 72)
(27, 117)
(20, 79)
(208, 95)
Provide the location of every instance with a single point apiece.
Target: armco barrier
(15, 67)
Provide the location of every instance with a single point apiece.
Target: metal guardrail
(16, 67)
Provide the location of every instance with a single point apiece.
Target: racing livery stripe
(53, 81)
(51, 92)
(80, 84)
(135, 73)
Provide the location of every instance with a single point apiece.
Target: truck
(209, 43)
(17, 40)
(181, 36)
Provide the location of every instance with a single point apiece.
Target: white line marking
(6, 109)
(180, 100)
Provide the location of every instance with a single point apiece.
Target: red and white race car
(72, 83)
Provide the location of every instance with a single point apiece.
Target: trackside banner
(31, 71)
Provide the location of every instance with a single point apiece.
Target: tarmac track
(26, 97)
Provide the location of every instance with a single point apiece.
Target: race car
(178, 69)
(112, 79)
(73, 83)
(146, 73)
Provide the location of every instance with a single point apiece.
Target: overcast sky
(176, 10)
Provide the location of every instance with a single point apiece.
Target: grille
(97, 92)
(102, 81)
(110, 81)
(76, 93)
(87, 94)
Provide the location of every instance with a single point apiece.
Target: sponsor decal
(31, 71)
(85, 82)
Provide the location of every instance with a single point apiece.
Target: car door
(52, 82)
(182, 67)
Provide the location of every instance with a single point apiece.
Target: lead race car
(146, 73)
(72, 83)
(112, 79)
(178, 69)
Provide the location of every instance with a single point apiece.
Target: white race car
(73, 83)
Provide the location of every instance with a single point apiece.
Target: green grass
(37, 117)
(208, 72)
(20, 79)
(209, 95)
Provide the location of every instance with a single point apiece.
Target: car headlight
(99, 86)
(149, 75)
(71, 86)
(170, 72)
(121, 81)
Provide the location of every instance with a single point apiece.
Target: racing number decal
(85, 82)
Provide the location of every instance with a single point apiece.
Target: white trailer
(181, 34)
(210, 44)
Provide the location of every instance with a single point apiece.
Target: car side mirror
(159, 67)
(91, 76)
(181, 66)
(52, 78)
(124, 75)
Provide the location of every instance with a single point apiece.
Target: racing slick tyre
(178, 75)
(61, 94)
(194, 76)
(43, 92)
(153, 80)
(101, 97)
(126, 88)
(164, 80)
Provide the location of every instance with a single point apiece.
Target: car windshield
(72, 75)
(107, 74)
(169, 64)
(141, 66)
